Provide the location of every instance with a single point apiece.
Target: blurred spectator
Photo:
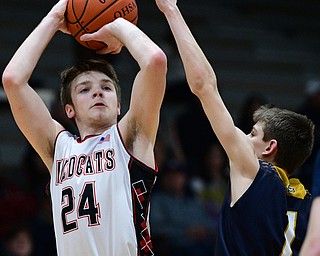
(250, 104)
(162, 156)
(179, 223)
(161, 151)
(316, 177)
(190, 132)
(17, 205)
(19, 242)
(38, 179)
(311, 108)
(37, 175)
(211, 189)
(23, 199)
(42, 227)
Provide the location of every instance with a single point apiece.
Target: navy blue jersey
(256, 223)
(298, 210)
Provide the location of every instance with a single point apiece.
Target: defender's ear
(271, 148)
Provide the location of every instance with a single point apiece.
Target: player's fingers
(117, 51)
(103, 50)
(98, 36)
(88, 37)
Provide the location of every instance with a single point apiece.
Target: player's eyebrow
(254, 129)
(106, 80)
(82, 83)
(85, 82)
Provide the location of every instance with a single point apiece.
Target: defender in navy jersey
(102, 180)
(264, 207)
(257, 219)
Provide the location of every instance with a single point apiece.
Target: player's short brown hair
(293, 132)
(69, 74)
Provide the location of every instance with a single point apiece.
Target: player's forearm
(140, 46)
(198, 70)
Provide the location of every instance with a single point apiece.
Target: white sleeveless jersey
(100, 197)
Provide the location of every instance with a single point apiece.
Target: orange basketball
(87, 16)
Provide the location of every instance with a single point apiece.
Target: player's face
(94, 99)
(256, 137)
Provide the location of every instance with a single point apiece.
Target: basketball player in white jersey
(100, 181)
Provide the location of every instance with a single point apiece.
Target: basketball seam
(90, 21)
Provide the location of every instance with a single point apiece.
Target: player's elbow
(158, 61)
(200, 85)
(9, 79)
(12, 77)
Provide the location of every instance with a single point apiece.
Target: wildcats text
(77, 165)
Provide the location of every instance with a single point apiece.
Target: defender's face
(94, 99)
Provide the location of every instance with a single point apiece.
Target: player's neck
(93, 131)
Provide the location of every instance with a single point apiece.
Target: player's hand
(106, 36)
(166, 5)
(58, 14)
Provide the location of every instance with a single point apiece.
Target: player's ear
(271, 148)
(69, 111)
(119, 109)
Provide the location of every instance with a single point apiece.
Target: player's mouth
(99, 104)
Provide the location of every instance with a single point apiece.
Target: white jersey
(100, 197)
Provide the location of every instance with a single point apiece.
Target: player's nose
(97, 92)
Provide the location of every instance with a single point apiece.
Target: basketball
(87, 16)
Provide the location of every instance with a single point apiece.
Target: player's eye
(83, 90)
(251, 134)
(107, 87)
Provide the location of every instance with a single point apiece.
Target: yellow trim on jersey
(294, 187)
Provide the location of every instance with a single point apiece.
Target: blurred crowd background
(263, 51)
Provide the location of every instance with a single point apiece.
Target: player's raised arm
(203, 83)
(29, 111)
(148, 87)
(149, 84)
